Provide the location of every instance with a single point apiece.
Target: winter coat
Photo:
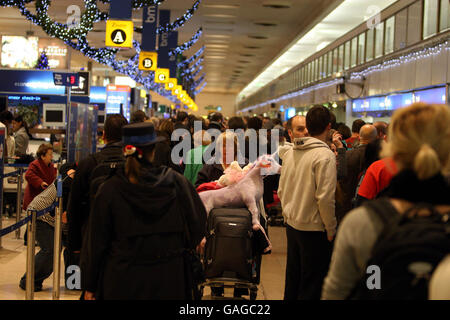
(136, 236)
(78, 207)
(37, 173)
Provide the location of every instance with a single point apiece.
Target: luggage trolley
(227, 278)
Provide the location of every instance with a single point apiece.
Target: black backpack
(106, 167)
(407, 252)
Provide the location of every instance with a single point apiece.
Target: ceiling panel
(241, 37)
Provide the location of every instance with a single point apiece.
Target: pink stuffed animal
(246, 192)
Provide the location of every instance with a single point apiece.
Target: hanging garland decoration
(180, 21)
(191, 70)
(188, 44)
(191, 59)
(200, 89)
(76, 38)
(138, 4)
(197, 72)
(197, 83)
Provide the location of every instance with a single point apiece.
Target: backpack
(407, 252)
(106, 167)
(355, 198)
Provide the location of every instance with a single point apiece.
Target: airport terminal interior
(225, 150)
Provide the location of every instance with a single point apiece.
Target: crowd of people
(133, 215)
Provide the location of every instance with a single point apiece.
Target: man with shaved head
(355, 159)
(297, 128)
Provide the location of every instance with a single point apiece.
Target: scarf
(406, 186)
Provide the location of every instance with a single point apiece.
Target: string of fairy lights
(76, 37)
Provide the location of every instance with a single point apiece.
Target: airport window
(320, 68)
(379, 33)
(347, 55)
(309, 73)
(325, 65)
(430, 14)
(330, 63)
(414, 33)
(369, 46)
(444, 23)
(335, 60)
(341, 58)
(314, 63)
(401, 25)
(361, 48)
(354, 55)
(389, 37)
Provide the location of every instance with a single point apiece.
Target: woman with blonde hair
(227, 150)
(419, 143)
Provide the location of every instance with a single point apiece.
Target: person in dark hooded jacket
(142, 221)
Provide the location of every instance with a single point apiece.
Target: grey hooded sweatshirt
(308, 185)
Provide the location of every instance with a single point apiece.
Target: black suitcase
(228, 251)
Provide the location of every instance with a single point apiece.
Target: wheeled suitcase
(228, 251)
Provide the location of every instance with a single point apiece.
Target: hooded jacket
(137, 234)
(308, 185)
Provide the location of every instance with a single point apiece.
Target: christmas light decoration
(200, 89)
(42, 63)
(187, 45)
(395, 62)
(138, 4)
(407, 58)
(75, 37)
(179, 22)
(185, 63)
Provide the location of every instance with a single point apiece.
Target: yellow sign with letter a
(148, 61)
(162, 75)
(119, 34)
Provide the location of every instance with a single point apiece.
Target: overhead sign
(171, 84)
(163, 48)
(149, 24)
(177, 90)
(29, 81)
(66, 79)
(148, 61)
(83, 87)
(119, 34)
(162, 75)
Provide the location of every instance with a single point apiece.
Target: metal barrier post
(29, 295)
(19, 200)
(2, 169)
(57, 244)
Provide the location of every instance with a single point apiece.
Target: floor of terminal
(13, 264)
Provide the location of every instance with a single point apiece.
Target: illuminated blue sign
(436, 96)
(29, 81)
(97, 95)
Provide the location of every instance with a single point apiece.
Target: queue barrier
(19, 173)
(32, 215)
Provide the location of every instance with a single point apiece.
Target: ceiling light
(217, 36)
(208, 45)
(222, 6)
(277, 4)
(224, 16)
(308, 44)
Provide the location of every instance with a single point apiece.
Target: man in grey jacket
(307, 193)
